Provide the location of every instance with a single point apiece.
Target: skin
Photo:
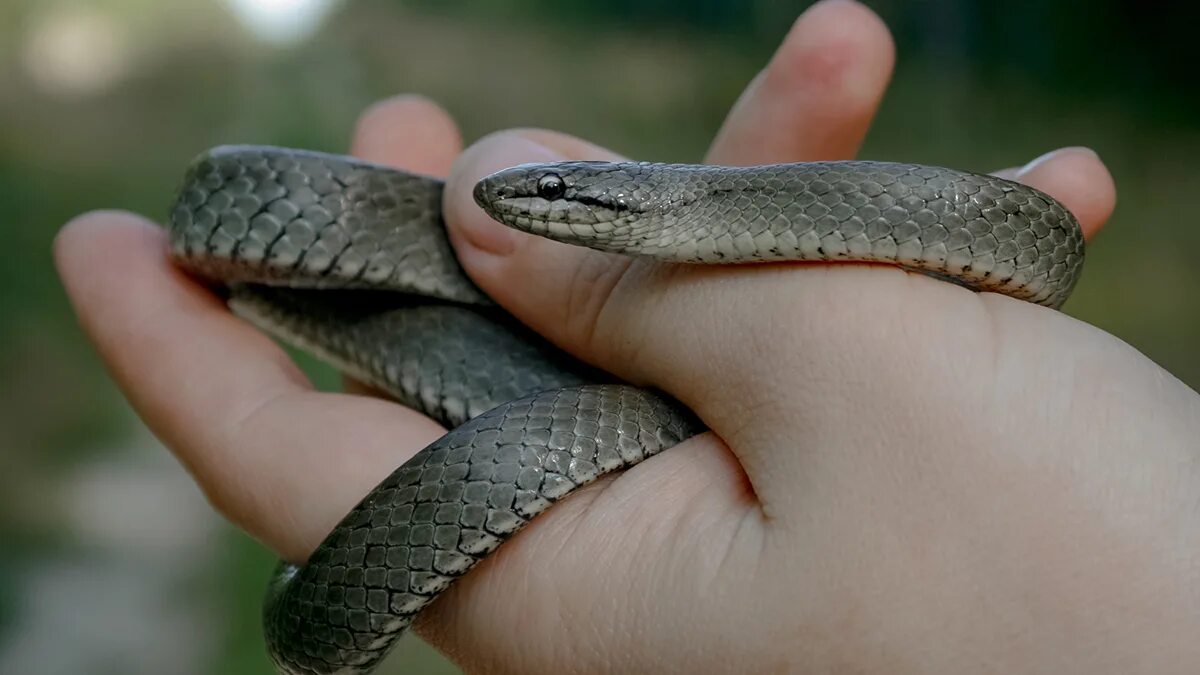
(904, 476)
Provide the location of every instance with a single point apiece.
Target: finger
(622, 314)
(410, 133)
(542, 282)
(817, 96)
(1076, 177)
(280, 460)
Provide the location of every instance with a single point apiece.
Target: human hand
(237, 412)
(904, 476)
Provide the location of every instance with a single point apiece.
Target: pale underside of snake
(350, 261)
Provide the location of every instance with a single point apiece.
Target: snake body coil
(350, 260)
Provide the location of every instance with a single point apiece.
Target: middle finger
(816, 98)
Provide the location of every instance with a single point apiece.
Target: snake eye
(551, 187)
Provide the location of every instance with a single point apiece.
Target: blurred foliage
(979, 85)
(1115, 48)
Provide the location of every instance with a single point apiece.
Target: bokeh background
(110, 560)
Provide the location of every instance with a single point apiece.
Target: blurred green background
(111, 562)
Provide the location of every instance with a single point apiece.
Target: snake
(350, 261)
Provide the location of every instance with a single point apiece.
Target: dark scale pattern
(307, 219)
(449, 506)
(537, 430)
(985, 232)
(450, 362)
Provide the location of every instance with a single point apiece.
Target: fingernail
(477, 228)
(1054, 154)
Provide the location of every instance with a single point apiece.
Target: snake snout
(490, 195)
(495, 192)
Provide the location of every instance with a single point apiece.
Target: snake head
(596, 204)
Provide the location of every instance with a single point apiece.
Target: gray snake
(350, 261)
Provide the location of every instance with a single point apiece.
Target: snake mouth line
(519, 213)
(575, 221)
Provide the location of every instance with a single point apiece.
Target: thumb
(756, 351)
(560, 291)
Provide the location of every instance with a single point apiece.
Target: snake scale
(350, 261)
